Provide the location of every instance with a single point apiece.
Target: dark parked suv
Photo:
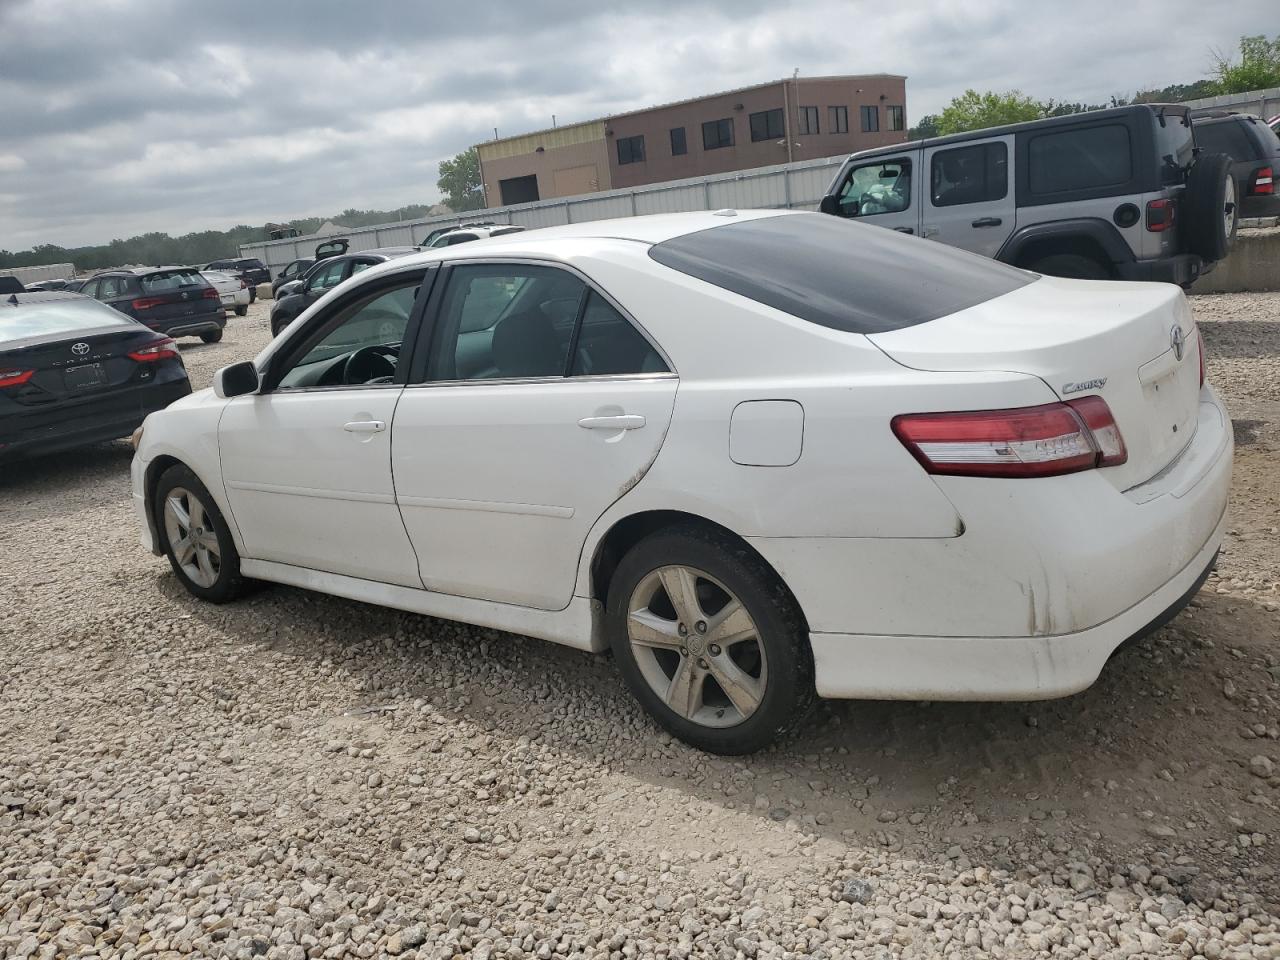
(173, 300)
(1254, 150)
(1111, 194)
(249, 269)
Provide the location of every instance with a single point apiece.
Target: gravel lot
(300, 776)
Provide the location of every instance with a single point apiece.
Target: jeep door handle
(365, 426)
(627, 421)
(987, 222)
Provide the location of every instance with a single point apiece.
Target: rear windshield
(170, 280)
(1226, 136)
(58, 316)
(251, 264)
(843, 275)
(1174, 145)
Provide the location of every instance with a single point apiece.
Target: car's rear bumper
(111, 419)
(191, 326)
(855, 666)
(1182, 269)
(1047, 579)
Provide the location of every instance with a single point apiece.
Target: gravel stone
(301, 776)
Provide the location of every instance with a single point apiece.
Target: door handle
(905, 229)
(627, 421)
(365, 426)
(987, 222)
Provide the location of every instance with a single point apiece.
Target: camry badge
(1178, 341)
(1095, 384)
(80, 349)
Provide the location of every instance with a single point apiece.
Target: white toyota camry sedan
(760, 456)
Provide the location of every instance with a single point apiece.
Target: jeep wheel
(1072, 265)
(1210, 212)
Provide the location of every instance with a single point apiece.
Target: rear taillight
(160, 350)
(210, 293)
(243, 285)
(1200, 344)
(1043, 441)
(1160, 215)
(146, 303)
(1264, 184)
(13, 378)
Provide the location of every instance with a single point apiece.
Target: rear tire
(1210, 208)
(212, 336)
(734, 697)
(1074, 266)
(195, 537)
(241, 310)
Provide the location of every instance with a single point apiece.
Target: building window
(631, 150)
(870, 119)
(519, 189)
(895, 118)
(717, 134)
(678, 146)
(808, 120)
(837, 119)
(766, 125)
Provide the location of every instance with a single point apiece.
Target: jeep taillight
(1160, 215)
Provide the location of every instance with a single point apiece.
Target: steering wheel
(375, 364)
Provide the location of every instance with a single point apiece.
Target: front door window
(873, 188)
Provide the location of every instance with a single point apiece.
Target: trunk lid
(1115, 340)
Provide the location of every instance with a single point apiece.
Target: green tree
(460, 181)
(1258, 69)
(974, 111)
(926, 127)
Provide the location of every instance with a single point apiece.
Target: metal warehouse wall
(794, 185)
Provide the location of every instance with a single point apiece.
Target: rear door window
(608, 345)
(970, 174)
(1086, 158)
(112, 288)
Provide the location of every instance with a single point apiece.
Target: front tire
(195, 537)
(710, 641)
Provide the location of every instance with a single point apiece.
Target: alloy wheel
(697, 646)
(192, 538)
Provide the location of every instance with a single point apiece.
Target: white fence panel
(672, 200)
(799, 184)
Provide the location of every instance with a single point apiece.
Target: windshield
(1174, 145)
(59, 316)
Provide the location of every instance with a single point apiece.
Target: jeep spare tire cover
(1209, 207)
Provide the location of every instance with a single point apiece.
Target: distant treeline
(200, 247)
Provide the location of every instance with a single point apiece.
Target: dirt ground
(295, 775)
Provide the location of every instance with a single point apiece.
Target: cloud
(134, 115)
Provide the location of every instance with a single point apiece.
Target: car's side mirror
(236, 380)
(830, 204)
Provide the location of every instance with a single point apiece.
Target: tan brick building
(798, 119)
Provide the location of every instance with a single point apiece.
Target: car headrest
(525, 345)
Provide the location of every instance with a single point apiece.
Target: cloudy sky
(122, 116)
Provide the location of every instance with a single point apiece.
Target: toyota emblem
(80, 349)
(1178, 341)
